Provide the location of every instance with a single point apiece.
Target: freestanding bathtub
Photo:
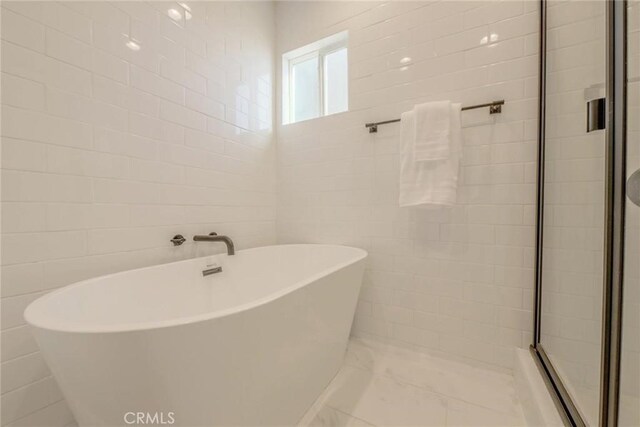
(252, 345)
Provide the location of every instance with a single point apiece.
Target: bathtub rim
(36, 320)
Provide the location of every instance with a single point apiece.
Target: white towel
(429, 182)
(433, 123)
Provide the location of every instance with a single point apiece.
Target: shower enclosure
(587, 323)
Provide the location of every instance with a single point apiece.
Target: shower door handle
(633, 188)
(596, 114)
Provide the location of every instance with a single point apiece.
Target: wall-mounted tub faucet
(213, 237)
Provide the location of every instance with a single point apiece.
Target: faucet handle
(178, 239)
(213, 233)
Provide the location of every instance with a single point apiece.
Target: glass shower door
(574, 198)
(629, 406)
(587, 322)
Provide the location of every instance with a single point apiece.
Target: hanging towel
(433, 124)
(432, 182)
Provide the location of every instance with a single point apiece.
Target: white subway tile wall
(108, 152)
(455, 280)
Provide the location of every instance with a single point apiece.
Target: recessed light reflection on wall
(406, 61)
(133, 45)
(177, 13)
(187, 11)
(491, 38)
(174, 14)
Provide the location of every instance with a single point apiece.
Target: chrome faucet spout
(213, 237)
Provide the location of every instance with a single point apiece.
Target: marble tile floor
(383, 385)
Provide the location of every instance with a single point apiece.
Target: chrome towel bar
(495, 107)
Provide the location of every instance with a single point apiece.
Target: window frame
(320, 50)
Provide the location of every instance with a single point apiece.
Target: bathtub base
(263, 366)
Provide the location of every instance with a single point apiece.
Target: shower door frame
(615, 190)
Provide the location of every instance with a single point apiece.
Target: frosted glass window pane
(336, 82)
(306, 84)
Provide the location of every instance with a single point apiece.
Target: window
(315, 80)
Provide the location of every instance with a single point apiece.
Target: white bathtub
(253, 345)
